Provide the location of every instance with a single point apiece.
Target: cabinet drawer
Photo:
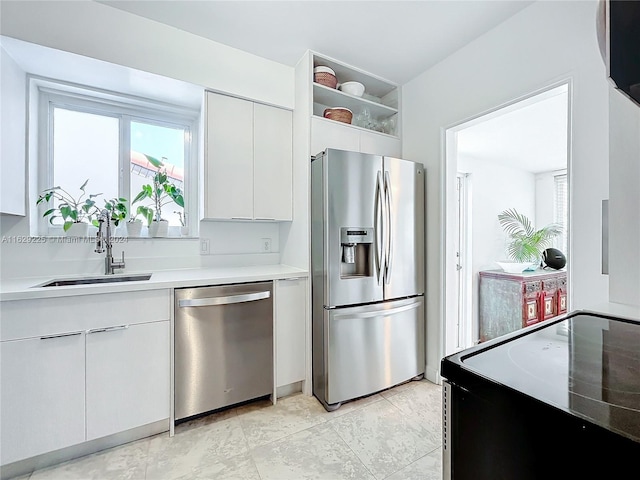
(49, 316)
(531, 287)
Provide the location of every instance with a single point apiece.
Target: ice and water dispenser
(357, 252)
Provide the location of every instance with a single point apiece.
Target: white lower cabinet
(79, 368)
(127, 377)
(291, 308)
(42, 395)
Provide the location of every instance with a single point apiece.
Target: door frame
(448, 203)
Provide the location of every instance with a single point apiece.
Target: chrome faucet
(105, 240)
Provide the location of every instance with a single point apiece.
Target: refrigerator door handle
(379, 228)
(389, 232)
(379, 313)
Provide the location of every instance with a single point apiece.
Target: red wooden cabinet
(509, 301)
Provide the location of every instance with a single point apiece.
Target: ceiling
(396, 40)
(530, 135)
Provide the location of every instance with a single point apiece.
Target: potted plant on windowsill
(76, 212)
(134, 224)
(525, 242)
(160, 192)
(117, 208)
(184, 228)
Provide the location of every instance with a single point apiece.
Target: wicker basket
(325, 76)
(339, 114)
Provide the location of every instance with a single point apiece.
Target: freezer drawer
(223, 346)
(373, 347)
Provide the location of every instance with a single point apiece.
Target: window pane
(85, 146)
(166, 144)
(560, 215)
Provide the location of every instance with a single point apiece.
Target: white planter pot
(159, 229)
(78, 230)
(134, 229)
(184, 231)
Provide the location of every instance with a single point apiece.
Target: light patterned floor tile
(354, 405)
(126, 462)
(384, 438)
(316, 453)
(423, 399)
(400, 388)
(191, 450)
(428, 467)
(389, 434)
(240, 467)
(272, 422)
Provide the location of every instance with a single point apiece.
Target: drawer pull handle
(62, 335)
(107, 329)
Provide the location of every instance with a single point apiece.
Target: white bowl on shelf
(516, 267)
(352, 88)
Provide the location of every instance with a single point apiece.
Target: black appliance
(623, 42)
(554, 258)
(560, 399)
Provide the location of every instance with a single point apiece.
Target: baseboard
(28, 465)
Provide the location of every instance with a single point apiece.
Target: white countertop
(25, 288)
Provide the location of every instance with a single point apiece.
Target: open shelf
(380, 98)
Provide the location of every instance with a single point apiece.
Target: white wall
(12, 135)
(543, 44)
(105, 33)
(495, 188)
(624, 200)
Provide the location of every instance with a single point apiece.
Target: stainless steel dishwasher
(223, 346)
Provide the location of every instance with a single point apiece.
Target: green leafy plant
(145, 212)
(160, 192)
(80, 209)
(526, 243)
(117, 208)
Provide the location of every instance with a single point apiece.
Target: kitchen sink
(64, 282)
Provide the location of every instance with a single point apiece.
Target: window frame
(51, 94)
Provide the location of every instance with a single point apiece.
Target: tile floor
(393, 435)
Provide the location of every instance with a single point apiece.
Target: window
(106, 139)
(560, 211)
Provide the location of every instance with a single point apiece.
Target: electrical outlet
(205, 245)
(265, 244)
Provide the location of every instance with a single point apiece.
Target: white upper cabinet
(248, 160)
(272, 163)
(12, 148)
(228, 162)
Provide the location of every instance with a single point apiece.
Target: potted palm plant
(76, 212)
(161, 192)
(525, 242)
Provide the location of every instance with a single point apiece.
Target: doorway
(515, 156)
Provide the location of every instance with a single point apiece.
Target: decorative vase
(134, 229)
(159, 229)
(184, 231)
(78, 230)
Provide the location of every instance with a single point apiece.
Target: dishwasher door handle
(226, 300)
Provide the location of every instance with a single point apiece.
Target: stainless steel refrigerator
(367, 262)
